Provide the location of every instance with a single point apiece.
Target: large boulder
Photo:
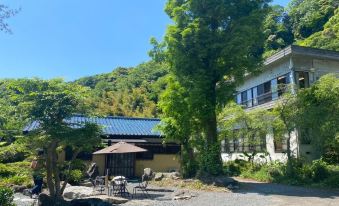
(19, 188)
(21, 199)
(99, 200)
(158, 176)
(77, 192)
(46, 200)
(148, 172)
(183, 195)
(86, 183)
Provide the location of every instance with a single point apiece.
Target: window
(243, 145)
(282, 82)
(280, 145)
(244, 98)
(264, 92)
(156, 149)
(302, 79)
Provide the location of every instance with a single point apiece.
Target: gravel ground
(251, 193)
(22, 200)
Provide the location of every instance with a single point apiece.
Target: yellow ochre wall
(99, 159)
(160, 163)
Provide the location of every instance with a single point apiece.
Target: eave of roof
(300, 50)
(122, 126)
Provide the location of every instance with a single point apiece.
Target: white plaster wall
(274, 156)
(270, 72)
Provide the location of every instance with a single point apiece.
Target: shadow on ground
(284, 190)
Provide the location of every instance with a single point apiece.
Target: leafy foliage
(319, 108)
(317, 174)
(328, 38)
(51, 103)
(127, 91)
(6, 13)
(309, 16)
(311, 23)
(206, 46)
(6, 196)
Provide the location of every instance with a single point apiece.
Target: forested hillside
(127, 91)
(134, 91)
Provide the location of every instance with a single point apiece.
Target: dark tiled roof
(126, 126)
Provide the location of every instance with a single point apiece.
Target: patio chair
(141, 187)
(99, 184)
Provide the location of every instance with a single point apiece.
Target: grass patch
(315, 174)
(190, 184)
(17, 173)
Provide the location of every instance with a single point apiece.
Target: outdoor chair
(141, 187)
(99, 184)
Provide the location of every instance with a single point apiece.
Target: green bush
(6, 171)
(6, 196)
(319, 169)
(75, 177)
(12, 153)
(17, 173)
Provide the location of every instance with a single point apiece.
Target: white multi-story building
(300, 66)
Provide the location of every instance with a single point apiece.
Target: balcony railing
(266, 97)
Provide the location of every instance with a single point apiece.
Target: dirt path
(251, 193)
(290, 195)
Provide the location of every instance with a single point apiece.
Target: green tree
(328, 38)
(178, 125)
(6, 13)
(309, 16)
(277, 30)
(249, 126)
(209, 44)
(51, 103)
(284, 123)
(319, 115)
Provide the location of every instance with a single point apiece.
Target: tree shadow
(284, 190)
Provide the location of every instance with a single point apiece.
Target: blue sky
(76, 38)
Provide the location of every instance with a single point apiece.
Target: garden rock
(108, 199)
(22, 200)
(76, 192)
(86, 184)
(46, 200)
(19, 188)
(148, 172)
(158, 176)
(183, 195)
(175, 175)
(67, 185)
(89, 202)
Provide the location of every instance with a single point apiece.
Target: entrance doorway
(120, 164)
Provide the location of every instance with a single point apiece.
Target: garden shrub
(17, 173)
(6, 196)
(12, 153)
(6, 171)
(319, 169)
(75, 177)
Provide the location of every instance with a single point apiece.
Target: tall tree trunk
(212, 160)
(289, 155)
(55, 170)
(49, 171)
(211, 121)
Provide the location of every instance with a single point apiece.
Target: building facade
(137, 131)
(299, 66)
